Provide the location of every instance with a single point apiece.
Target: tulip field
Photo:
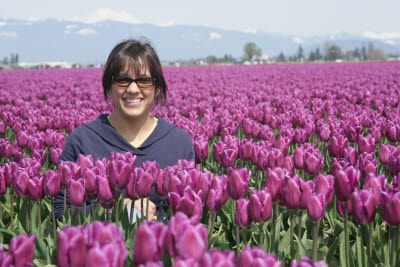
(296, 165)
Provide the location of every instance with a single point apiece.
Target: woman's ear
(157, 92)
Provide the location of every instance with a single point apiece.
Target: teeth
(133, 100)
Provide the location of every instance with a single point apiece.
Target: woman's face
(133, 102)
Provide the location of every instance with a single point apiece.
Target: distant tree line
(333, 52)
(13, 61)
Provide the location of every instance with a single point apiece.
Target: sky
(293, 17)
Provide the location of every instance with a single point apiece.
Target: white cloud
(390, 42)
(9, 34)
(68, 27)
(298, 40)
(86, 32)
(2, 23)
(249, 30)
(215, 35)
(103, 14)
(166, 24)
(382, 35)
(32, 19)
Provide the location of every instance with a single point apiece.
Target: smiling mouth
(137, 100)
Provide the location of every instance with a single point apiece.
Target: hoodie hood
(102, 127)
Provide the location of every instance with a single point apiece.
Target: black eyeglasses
(124, 81)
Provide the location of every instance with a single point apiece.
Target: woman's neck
(131, 129)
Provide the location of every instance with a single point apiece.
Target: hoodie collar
(102, 127)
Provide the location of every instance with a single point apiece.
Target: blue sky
(299, 17)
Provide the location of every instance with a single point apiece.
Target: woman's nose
(133, 88)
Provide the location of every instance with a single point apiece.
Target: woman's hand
(152, 208)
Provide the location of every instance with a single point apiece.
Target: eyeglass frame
(132, 80)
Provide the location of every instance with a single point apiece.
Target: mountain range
(79, 42)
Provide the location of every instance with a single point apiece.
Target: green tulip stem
(30, 215)
(84, 213)
(260, 227)
(147, 208)
(371, 230)
(315, 240)
(213, 216)
(132, 211)
(78, 213)
(244, 237)
(393, 246)
(237, 241)
(300, 223)
(346, 234)
(141, 210)
(116, 207)
(53, 217)
(91, 212)
(12, 210)
(272, 245)
(291, 234)
(39, 218)
(160, 209)
(108, 215)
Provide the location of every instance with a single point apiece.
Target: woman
(133, 78)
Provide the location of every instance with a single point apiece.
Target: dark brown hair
(135, 53)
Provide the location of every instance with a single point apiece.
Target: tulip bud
(51, 183)
(391, 207)
(300, 136)
(3, 186)
(246, 149)
(65, 173)
(307, 188)
(384, 153)
(49, 137)
(89, 175)
(242, 215)
(55, 155)
(238, 182)
(346, 181)
(23, 139)
(218, 193)
(350, 155)
(144, 182)
(103, 189)
(313, 162)
(316, 207)
(187, 201)
(363, 203)
(325, 186)
(229, 155)
(22, 248)
(260, 205)
(340, 207)
(149, 242)
(218, 148)
(306, 261)
(215, 257)
(298, 158)
(366, 144)
(274, 181)
(201, 148)
(35, 188)
(85, 161)
(257, 257)
(20, 183)
(325, 133)
(76, 192)
(291, 193)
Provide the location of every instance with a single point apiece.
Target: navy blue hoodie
(165, 145)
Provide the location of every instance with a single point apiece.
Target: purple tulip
(76, 192)
(218, 147)
(274, 181)
(246, 149)
(3, 186)
(257, 257)
(85, 161)
(187, 201)
(316, 207)
(307, 188)
(298, 158)
(313, 162)
(391, 207)
(51, 183)
(346, 181)
(376, 134)
(394, 162)
(3, 127)
(291, 192)
(65, 172)
(144, 182)
(275, 158)
(325, 133)
(352, 132)
(59, 140)
(300, 136)
(283, 145)
(104, 192)
(185, 237)
(288, 163)
(22, 248)
(260, 205)
(238, 182)
(384, 153)
(363, 203)
(215, 257)
(325, 185)
(337, 146)
(10, 170)
(376, 184)
(20, 183)
(55, 155)
(367, 164)
(350, 155)
(201, 148)
(71, 247)
(23, 139)
(35, 188)
(366, 144)
(149, 242)
(229, 156)
(218, 193)
(307, 262)
(242, 215)
(153, 264)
